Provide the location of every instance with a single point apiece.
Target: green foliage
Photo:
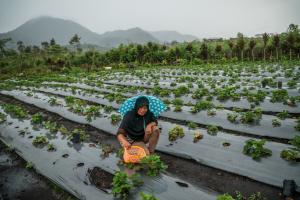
(51, 126)
(82, 135)
(40, 140)
(290, 155)
(51, 147)
(29, 165)
(153, 165)
(202, 105)
(108, 109)
(52, 101)
(37, 118)
(63, 130)
(232, 117)
(178, 108)
(297, 127)
(175, 133)
(192, 125)
(92, 112)
(212, 130)
(296, 141)
(255, 149)
(276, 123)
(145, 196)
(15, 111)
(123, 184)
(249, 117)
(177, 101)
(115, 118)
(283, 115)
(279, 95)
(225, 197)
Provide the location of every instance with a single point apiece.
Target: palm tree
(265, 40)
(252, 44)
(276, 43)
(231, 45)
(290, 42)
(241, 44)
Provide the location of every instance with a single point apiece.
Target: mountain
(169, 36)
(40, 29)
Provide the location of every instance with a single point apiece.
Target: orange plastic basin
(134, 154)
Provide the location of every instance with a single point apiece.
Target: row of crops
(243, 125)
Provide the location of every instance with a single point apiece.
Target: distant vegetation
(52, 57)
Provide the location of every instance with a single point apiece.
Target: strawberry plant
(153, 165)
(115, 118)
(290, 155)
(197, 136)
(145, 196)
(92, 112)
(78, 134)
(37, 118)
(51, 126)
(51, 147)
(255, 149)
(52, 101)
(40, 140)
(276, 123)
(202, 105)
(232, 117)
(192, 125)
(123, 184)
(175, 133)
(212, 130)
(15, 111)
(283, 115)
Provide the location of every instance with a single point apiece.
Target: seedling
(15, 111)
(283, 115)
(232, 117)
(29, 165)
(153, 165)
(108, 109)
(276, 123)
(192, 125)
(78, 135)
(40, 140)
(51, 147)
(177, 108)
(63, 130)
(197, 136)
(115, 118)
(175, 133)
(145, 196)
(51, 126)
(290, 155)
(52, 101)
(255, 149)
(122, 184)
(92, 112)
(37, 118)
(212, 130)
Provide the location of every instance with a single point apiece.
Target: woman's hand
(126, 144)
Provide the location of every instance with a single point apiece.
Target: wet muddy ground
(19, 183)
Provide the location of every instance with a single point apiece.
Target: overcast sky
(202, 18)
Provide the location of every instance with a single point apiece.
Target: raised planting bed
(209, 151)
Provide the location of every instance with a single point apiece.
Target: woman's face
(142, 110)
